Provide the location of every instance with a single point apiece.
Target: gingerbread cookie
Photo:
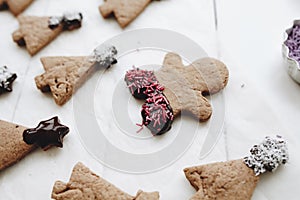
(237, 179)
(85, 184)
(15, 6)
(125, 11)
(64, 75)
(6, 80)
(175, 88)
(17, 141)
(37, 32)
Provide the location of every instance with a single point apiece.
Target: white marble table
(248, 40)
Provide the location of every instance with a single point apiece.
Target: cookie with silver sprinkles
(176, 88)
(237, 179)
(15, 6)
(17, 141)
(65, 74)
(37, 32)
(85, 184)
(6, 80)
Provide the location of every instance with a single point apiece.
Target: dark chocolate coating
(6, 83)
(69, 21)
(159, 129)
(48, 133)
(108, 62)
(21, 42)
(72, 22)
(4, 6)
(54, 22)
(156, 112)
(71, 25)
(139, 94)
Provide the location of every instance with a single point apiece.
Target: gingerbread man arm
(210, 75)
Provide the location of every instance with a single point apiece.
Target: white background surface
(248, 40)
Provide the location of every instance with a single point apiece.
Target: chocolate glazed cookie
(156, 112)
(175, 88)
(17, 141)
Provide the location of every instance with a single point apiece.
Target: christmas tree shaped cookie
(64, 75)
(125, 11)
(84, 184)
(237, 179)
(37, 32)
(17, 141)
(15, 6)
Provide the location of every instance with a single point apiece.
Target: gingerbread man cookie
(237, 179)
(17, 141)
(15, 6)
(125, 11)
(85, 184)
(176, 88)
(64, 75)
(37, 32)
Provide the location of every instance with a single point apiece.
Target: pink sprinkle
(140, 125)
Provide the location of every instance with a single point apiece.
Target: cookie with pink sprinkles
(176, 88)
